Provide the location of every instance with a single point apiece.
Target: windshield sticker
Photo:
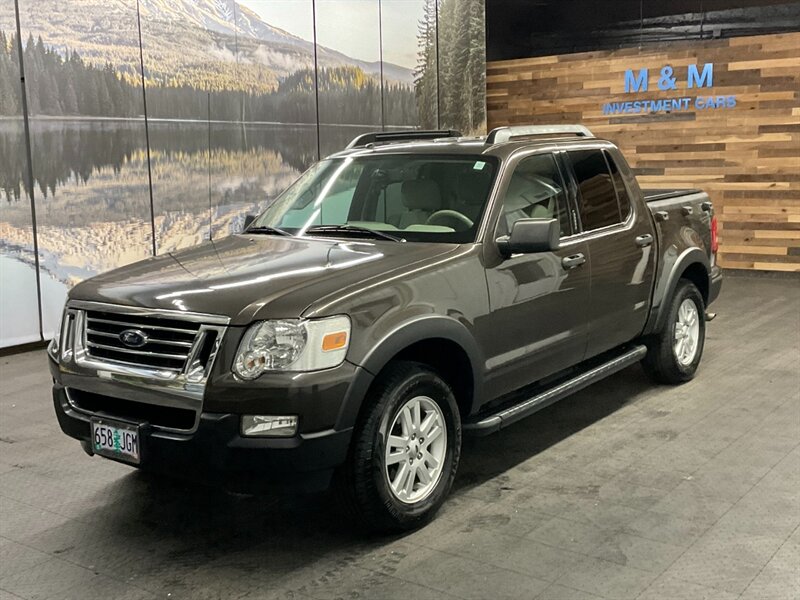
(479, 165)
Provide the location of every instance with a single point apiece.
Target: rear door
(619, 237)
(538, 319)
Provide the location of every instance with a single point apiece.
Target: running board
(507, 416)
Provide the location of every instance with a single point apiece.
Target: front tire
(674, 353)
(405, 450)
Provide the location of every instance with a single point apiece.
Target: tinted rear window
(599, 207)
(619, 184)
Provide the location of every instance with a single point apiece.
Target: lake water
(93, 201)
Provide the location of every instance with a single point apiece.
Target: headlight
(292, 345)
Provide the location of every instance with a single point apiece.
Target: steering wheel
(449, 215)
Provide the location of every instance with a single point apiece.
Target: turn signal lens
(334, 341)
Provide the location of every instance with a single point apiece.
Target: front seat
(543, 209)
(421, 198)
(531, 199)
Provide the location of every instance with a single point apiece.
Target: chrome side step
(507, 416)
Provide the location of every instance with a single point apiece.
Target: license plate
(115, 440)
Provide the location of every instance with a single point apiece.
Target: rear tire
(394, 478)
(674, 353)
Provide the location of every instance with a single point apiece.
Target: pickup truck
(413, 288)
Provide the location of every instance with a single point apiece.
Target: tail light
(714, 235)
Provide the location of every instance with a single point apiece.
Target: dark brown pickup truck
(414, 287)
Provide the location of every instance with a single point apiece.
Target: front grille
(169, 341)
(128, 410)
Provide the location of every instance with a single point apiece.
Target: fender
(667, 283)
(354, 399)
(423, 327)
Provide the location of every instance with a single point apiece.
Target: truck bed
(656, 195)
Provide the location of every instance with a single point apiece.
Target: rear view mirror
(248, 220)
(530, 235)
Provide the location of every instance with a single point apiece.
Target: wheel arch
(692, 264)
(443, 343)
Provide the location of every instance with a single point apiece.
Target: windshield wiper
(266, 229)
(353, 229)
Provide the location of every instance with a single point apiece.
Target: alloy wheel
(416, 446)
(687, 332)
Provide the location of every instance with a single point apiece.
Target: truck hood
(249, 277)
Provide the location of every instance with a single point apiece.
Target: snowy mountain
(185, 42)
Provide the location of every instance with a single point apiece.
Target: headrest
(421, 194)
(523, 194)
(471, 188)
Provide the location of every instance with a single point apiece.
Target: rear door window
(598, 197)
(619, 184)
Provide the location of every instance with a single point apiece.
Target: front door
(538, 321)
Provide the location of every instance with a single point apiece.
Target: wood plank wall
(747, 158)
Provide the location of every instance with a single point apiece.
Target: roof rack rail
(499, 135)
(401, 136)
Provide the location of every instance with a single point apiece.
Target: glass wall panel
(87, 141)
(273, 156)
(276, 60)
(277, 138)
(408, 37)
(19, 305)
(348, 47)
(462, 65)
(192, 82)
(232, 98)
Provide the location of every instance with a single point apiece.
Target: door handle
(570, 262)
(644, 240)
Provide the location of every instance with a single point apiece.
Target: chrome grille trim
(181, 357)
(173, 374)
(139, 325)
(155, 341)
(151, 354)
(154, 356)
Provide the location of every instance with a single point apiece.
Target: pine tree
(425, 75)
(462, 65)
(7, 79)
(70, 99)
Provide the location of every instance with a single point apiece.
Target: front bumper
(189, 417)
(216, 453)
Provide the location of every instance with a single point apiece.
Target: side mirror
(530, 235)
(248, 220)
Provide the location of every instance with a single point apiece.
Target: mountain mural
(236, 112)
(185, 42)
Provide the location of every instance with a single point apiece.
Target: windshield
(408, 196)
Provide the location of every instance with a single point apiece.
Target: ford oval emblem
(133, 338)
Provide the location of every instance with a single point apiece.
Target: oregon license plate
(115, 440)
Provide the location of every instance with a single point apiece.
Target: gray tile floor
(627, 490)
